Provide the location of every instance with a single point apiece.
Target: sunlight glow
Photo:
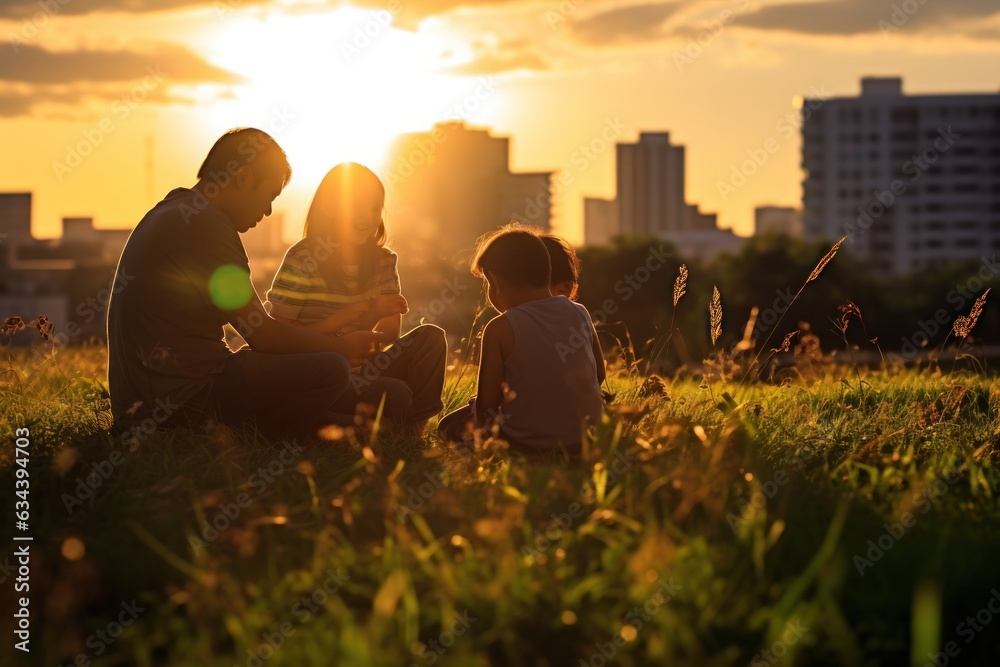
(333, 86)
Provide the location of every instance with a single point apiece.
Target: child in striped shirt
(340, 278)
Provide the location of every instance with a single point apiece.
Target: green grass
(736, 514)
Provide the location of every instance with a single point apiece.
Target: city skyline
(561, 79)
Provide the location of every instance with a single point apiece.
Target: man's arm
(497, 336)
(391, 327)
(265, 334)
(598, 358)
(332, 323)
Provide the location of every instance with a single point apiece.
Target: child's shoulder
(499, 325)
(301, 249)
(582, 308)
(386, 257)
(561, 303)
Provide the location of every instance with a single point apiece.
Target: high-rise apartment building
(912, 180)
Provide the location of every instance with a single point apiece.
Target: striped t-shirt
(300, 292)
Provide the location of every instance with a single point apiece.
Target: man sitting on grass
(183, 275)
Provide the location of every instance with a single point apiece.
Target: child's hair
(339, 189)
(565, 263)
(514, 253)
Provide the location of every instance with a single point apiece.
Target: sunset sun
(333, 87)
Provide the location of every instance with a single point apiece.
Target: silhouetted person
(184, 274)
(341, 277)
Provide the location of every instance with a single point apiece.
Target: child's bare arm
(497, 337)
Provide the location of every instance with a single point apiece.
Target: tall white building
(912, 180)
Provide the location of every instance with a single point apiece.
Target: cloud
(34, 78)
(633, 23)
(408, 13)
(853, 17)
(496, 63)
(510, 56)
(73, 103)
(27, 63)
(15, 104)
(645, 22)
(20, 9)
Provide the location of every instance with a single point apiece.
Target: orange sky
(336, 82)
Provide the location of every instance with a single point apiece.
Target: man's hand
(358, 346)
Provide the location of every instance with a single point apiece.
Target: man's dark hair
(244, 146)
(565, 263)
(516, 255)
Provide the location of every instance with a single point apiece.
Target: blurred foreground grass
(827, 521)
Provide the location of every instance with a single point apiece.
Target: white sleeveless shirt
(554, 394)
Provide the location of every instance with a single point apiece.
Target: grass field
(834, 519)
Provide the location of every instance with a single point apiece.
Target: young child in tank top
(541, 365)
